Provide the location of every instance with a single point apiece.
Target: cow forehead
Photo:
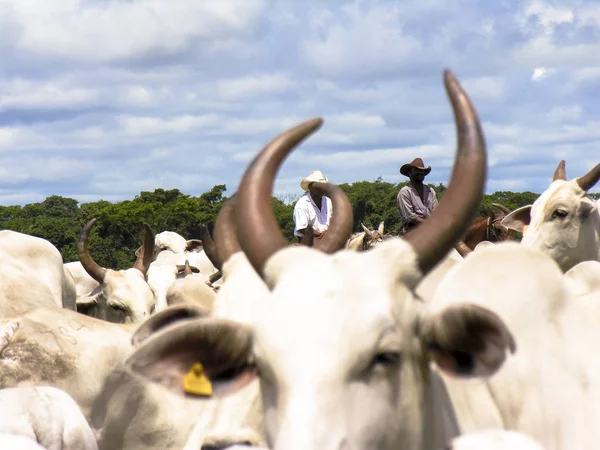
(129, 280)
(560, 191)
(172, 240)
(338, 302)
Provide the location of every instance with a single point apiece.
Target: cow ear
(518, 219)
(165, 318)
(194, 245)
(380, 228)
(587, 208)
(467, 340)
(85, 304)
(201, 358)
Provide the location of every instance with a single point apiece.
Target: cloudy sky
(104, 99)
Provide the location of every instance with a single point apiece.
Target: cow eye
(118, 307)
(559, 214)
(387, 358)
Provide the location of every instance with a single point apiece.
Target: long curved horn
(258, 232)
(502, 208)
(560, 172)
(91, 267)
(225, 233)
(340, 226)
(590, 179)
(215, 276)
(365, 229)
(144, 258)
(437, 235)
(210, 248)
(463, 249)
(187, 270)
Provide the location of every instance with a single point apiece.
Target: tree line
(118, 231)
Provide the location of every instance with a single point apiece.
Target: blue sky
(101, 100)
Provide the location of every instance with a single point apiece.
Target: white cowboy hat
(314, 176)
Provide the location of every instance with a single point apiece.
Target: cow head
(169, 240)
(563, 222)
(366, 239)
(494, 440)
(342, 363)
(123, 296)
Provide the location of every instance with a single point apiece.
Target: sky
(104, 99)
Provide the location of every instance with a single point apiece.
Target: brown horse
(489, 228)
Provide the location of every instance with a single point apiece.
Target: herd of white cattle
(406, 346)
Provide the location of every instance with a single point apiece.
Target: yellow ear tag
(195, 382)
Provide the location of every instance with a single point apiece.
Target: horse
(489, 228)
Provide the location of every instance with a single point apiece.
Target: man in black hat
(416, 200)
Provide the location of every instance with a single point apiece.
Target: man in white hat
(416, 201)
(313, 208)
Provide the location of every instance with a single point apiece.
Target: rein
(490, 230)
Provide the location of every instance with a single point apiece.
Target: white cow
(366, 239)
(17, 442)
(494, 440)
(46, 415)
(563, 222)
(550, 388)
(583, 281)
(84, 283)
(121, 296)
(343, 363)
(428, 285)
(84, 357)
(172, 252)
(192, 288)
(236, 300)
(172, 248)
(32, 275)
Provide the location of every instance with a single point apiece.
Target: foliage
(119, 228)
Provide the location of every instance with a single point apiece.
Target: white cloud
(362, 37)
(355, 120)
(548, 15)
(138, 97)
(256, 86)
(560, 114)
(540, 73)
(507, 185)
(120, 30)
(104, 99)
(486, 88)
(24, 94)
(134, 125)
(8, 136)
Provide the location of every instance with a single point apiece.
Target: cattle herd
(241, 340)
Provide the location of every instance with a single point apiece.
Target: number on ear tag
(196, 383)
